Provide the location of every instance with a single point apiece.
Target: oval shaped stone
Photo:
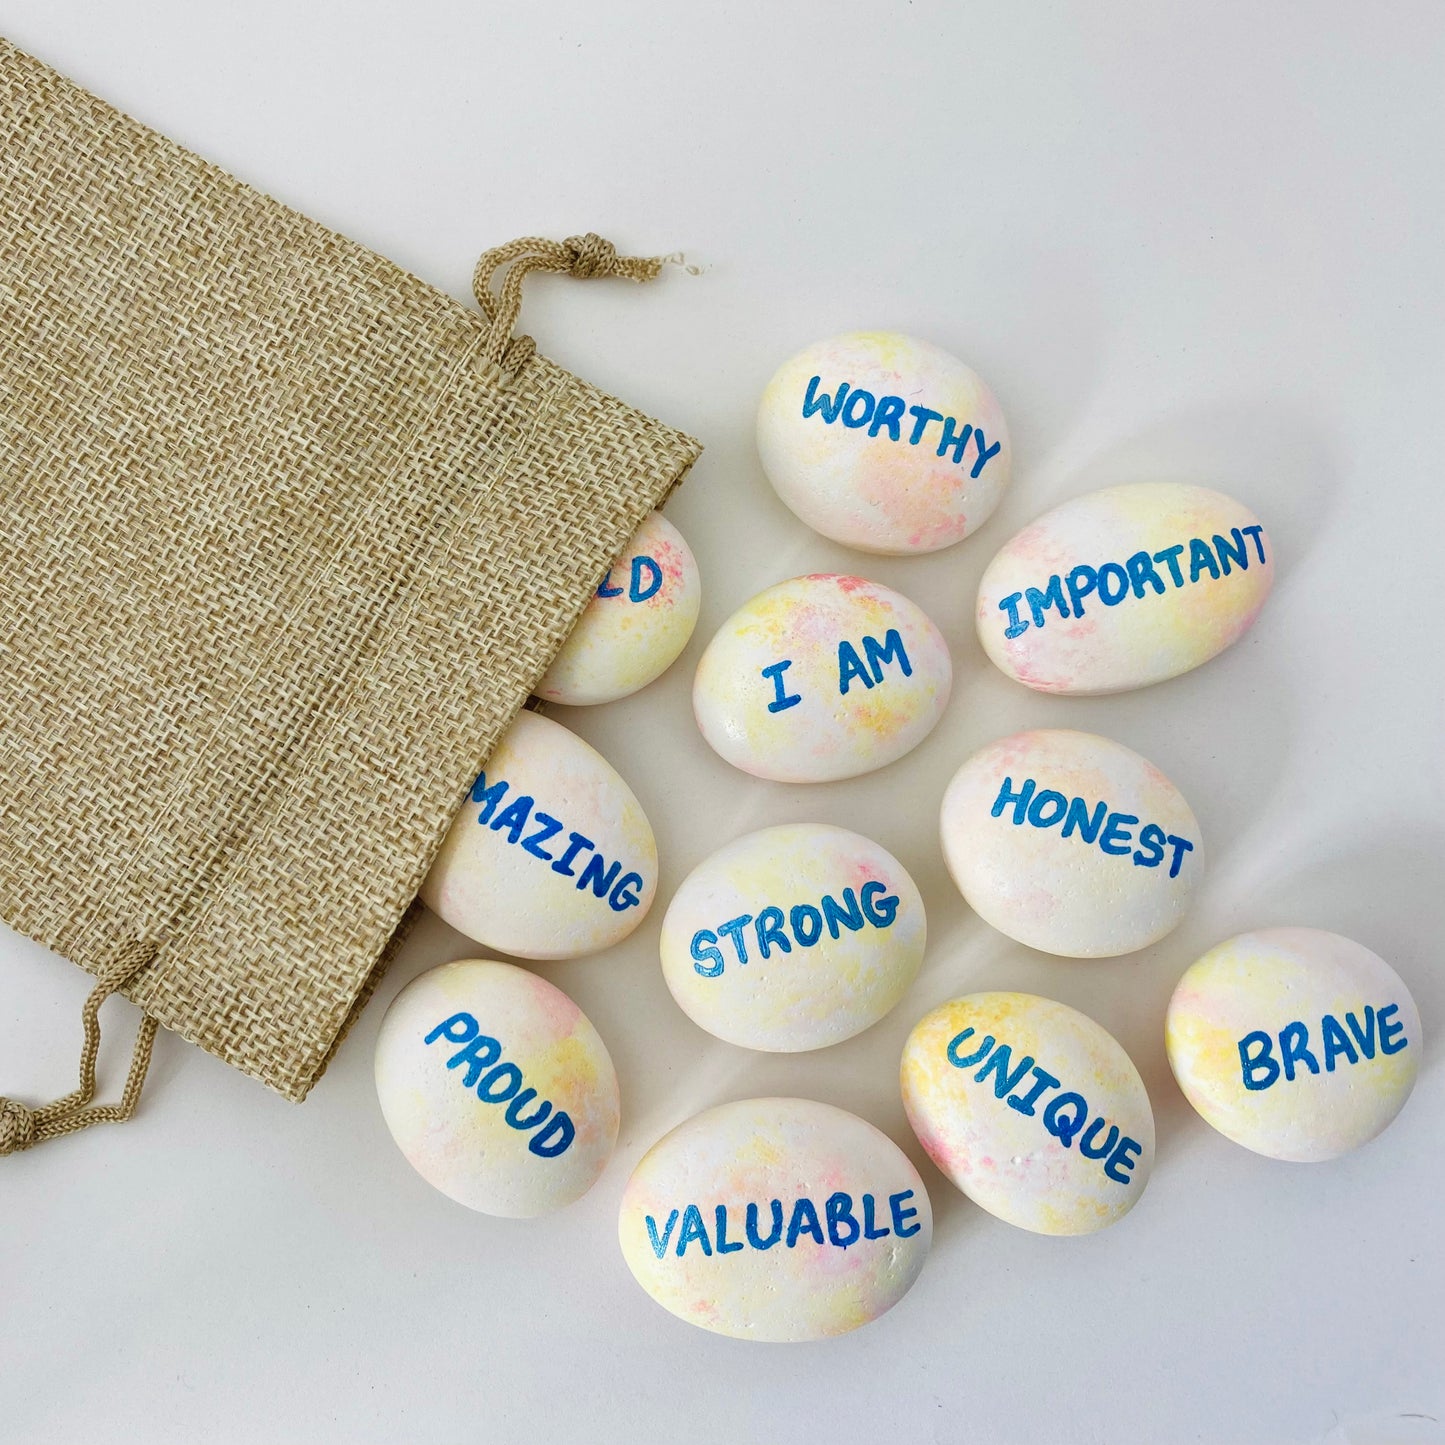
(1071, 843)
(1297, 1043)
(551, 856)
(496, 1088)
(883, 442)
(793, 938)
(821, 677)
(1123, 588)
(1031, 1109)
(775, 1219)
(636, 626)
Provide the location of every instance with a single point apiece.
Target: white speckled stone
(775, 1219)
(496, 1088)
(821, 677)
(1297, 1043)
(827, 934)
(551, 856)
(1071, 843)
(1123, 588)
(883, 442)
(1032, 1109)
(636, 626)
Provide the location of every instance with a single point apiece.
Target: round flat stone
(821, 677)
(1032, 1109)
(636, 626)
(496, 1088)
(551, 856)
(883, 442)
(1071, 843)
(775, 1219)
(1123, 588)
(1297, 1043)
(793, 938)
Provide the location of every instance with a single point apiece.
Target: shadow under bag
(286, 538)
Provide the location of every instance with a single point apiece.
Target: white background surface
(1186, 241)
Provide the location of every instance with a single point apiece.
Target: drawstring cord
(579, 256)
(22, 1127)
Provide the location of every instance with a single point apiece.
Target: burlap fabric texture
(286, 538)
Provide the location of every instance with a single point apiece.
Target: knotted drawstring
(580, 256)
(22, 1127)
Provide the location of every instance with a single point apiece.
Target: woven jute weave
(286, 538)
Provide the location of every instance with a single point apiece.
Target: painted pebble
(636, 626)
(883, 442)
(496, 1088)
(793, 938)
(1070, 843)
(1296, 1043)
(1123, 588)
(551, 855)
(820, 678)
(1032, 1109)
(775, 1219)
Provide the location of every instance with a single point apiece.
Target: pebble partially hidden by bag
(289, 536)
